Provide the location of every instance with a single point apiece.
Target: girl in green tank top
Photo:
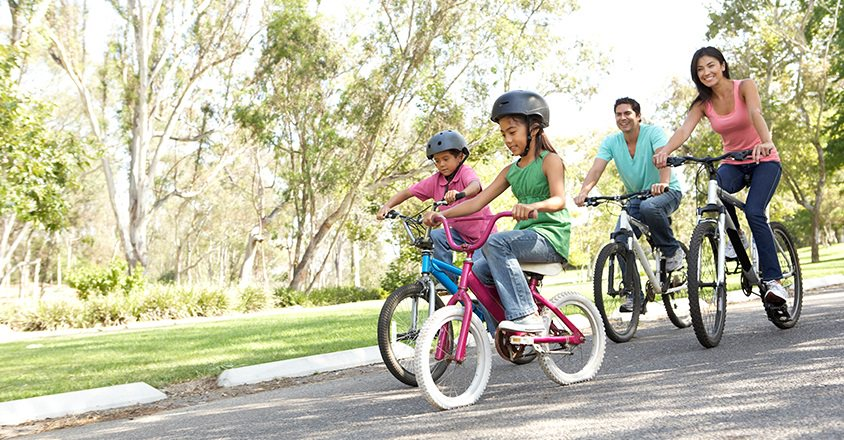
(542, 232)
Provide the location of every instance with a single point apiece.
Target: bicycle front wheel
(568, 364)
(461, 382)
(707, 294)
(677, 302)
(611, 286)
(399, 323)
(792, 279)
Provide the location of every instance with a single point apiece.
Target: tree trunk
(300, 272)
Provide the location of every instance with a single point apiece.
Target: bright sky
(648, 41)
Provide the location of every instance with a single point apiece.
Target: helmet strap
(527, 146)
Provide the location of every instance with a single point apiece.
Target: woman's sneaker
(532, 323)
(776, 293)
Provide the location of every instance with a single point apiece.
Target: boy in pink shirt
(448, 150)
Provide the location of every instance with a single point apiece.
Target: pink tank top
(736, 129)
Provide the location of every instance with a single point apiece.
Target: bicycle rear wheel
(461, 383)
(568, 364)
(611, 286)
(707, 294)
(399, 323)
(792, 278)
(677, 303)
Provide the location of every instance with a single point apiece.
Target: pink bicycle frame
(488, 296)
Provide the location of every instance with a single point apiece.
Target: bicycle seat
(548, 269)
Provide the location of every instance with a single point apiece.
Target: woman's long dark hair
(704, 93)
(542, 142)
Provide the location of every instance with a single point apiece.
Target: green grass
(162, 356)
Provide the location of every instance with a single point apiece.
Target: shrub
(344, 294)
(253, 299)
(211, 303)
(403, 270)
(46, 316)
(89, 279)
(286, 297)
(113, 309)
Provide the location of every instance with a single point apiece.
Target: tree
(343, 119)
(163, 51)
(37, 166)
(789, 47)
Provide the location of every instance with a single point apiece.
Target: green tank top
(530, 185)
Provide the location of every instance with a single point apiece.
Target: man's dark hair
(635, 105)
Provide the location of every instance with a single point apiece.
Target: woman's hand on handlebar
(660, 157)
(762, 150)
(580, 199)
(524, 212)
(432, 218)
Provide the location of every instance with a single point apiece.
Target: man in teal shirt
(633, 149)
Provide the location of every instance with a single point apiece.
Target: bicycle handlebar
(597, 200)
(676, 161)
(479, 243)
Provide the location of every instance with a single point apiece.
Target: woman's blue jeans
(764, 179)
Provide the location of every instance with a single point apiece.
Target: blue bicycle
(406, 308)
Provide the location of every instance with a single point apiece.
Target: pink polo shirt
(435, 187)
(736, 129)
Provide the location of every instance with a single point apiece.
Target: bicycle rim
(399, 324)
(677, 303)
(610, 287)
(792, 278)
(461, 383)
(568, 364)
(707, 295)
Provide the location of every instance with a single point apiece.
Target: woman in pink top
(448, 150)
(734, 110)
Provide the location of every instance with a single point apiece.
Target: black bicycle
(708, 264)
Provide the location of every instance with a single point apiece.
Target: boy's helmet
(444, 141)
(521, 102)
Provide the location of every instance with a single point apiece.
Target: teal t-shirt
(638, 172)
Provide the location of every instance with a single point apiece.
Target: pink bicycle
(453, 356)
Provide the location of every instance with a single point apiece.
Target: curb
(299, 367)
(16, 412)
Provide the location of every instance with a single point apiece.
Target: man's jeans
(655, 212)
(765, 177)
(498, 264)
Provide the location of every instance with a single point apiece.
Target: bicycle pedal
(777, 313)
(521, 340)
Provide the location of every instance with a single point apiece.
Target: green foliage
(45, 316)
(37, 165)
(343, 294)
(253, 299)
(90, 279)
(403, 270)
(286, 297)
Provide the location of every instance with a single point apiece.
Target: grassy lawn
(161, 356)
(166, 355)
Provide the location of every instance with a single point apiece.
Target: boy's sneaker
(776, 293)
(532, 323)
(676, 261)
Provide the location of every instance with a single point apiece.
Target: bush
(46, 316)
(253, 299)
(108, 310)
(286, 297)
(342, 295)
(403, 270)
(89, 279)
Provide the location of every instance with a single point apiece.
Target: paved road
(761, 382)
